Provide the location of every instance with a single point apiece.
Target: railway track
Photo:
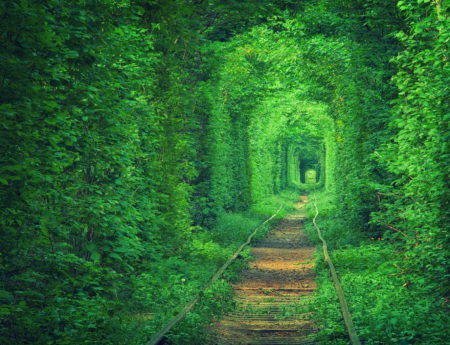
(273, 296)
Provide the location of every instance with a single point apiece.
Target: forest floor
(273, 292)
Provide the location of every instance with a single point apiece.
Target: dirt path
(272, 296)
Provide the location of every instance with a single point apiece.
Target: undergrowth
(388, 305)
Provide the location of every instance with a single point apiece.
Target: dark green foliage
(76, 140)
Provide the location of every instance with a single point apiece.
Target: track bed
(272, 296)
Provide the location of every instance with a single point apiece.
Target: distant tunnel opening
(306, 164)
(309, 170)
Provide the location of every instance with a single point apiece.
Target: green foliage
(216, 301)
(232, 228)
(75, 147)
(263, 113)
(388, 306)
(286, 199)
(142, 141)
(414, 204)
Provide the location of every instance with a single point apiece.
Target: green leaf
(71, 54)
(95, 256)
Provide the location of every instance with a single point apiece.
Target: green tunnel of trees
(141, 140)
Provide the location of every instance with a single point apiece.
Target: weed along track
(272, 296)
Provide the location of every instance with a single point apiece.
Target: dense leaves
(78, 133)
(415, 203)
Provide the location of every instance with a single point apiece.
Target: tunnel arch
(311, 144)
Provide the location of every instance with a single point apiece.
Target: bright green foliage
(262, 124)
(415, 203)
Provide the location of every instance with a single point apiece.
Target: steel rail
(339, 291)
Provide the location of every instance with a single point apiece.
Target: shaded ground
(272, 296)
